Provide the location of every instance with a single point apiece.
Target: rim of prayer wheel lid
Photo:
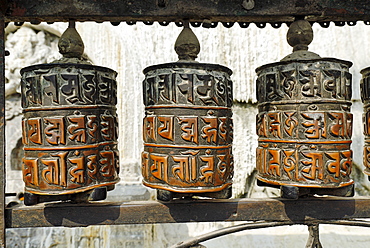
(71, 47)
(334, 60)
(187, 47)
(365, 71)
(190, 65)
(66, 65)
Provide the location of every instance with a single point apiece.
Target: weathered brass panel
(304, 123)
(69, 128)
(187, 129)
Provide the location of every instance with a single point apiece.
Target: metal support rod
(228, 230)
(313, 239)
(313, 228)
(2, 133)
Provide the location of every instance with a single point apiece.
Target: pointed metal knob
(299, 36)
(70, 43)
(187, 44)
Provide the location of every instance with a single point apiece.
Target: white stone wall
(128, 50)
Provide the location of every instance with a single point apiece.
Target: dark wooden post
(2, 132)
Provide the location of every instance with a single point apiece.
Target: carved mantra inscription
(194, 87)
(65, 84)
(304, 81)
(286, 125)
(73, 128)
(70, 169)
(302, 164)
(209, 169)
(187, 130)
(69, 128)
(304, 125)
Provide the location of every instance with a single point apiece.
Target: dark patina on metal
(187, 129)
(304, 122)
(365, 97)
(69, 126)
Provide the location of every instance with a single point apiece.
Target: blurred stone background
(128, 50)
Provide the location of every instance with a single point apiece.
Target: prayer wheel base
(294, 192)
(96, 194)
(166, 195)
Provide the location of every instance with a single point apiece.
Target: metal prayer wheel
(365, 97)
(304, 122)
(187, 129)
(69, 127)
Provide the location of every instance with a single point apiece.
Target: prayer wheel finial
(299, 36)
(70, 43)
(187, 44)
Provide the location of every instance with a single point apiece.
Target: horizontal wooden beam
(180, 211)
(195, 10)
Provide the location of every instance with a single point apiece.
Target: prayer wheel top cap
(299, 36)
(71, 46)
(187, 45)
(365, 71)
(180, 65)
(58, 63)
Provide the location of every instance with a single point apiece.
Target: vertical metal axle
(313, 239)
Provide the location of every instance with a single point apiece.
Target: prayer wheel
(187, 129)
(304, 124)
(365, 97)
(69, 127)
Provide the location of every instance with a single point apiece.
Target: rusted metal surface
(195, 10)
(70, 124)
(299, 211)
(2, 133)
(187, 128)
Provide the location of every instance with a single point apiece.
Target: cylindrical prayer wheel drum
(187, 129)
(304, 123)
(69, 128)
(365, 96)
